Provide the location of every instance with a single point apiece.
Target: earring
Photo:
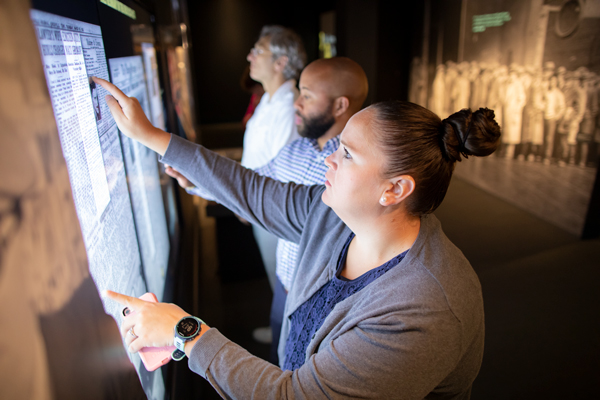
(383, 199)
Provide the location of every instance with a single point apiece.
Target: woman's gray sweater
(416, 332)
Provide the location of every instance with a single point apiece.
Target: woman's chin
(325, 197)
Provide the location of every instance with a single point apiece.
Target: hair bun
(469, 133)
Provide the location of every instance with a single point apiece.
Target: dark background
(381, 36)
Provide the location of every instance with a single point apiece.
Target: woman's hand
(131, 120)
(152, 323)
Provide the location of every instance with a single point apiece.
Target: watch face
(187, 327)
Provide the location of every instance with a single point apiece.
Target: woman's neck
(373, 246)
(271, 86)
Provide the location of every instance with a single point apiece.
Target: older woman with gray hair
(276, 61)
(284, 42)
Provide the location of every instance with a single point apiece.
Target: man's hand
(131, 120)
(182, 180)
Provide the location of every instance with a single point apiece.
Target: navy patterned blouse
(309, 317)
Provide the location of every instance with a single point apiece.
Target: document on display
(73, 51)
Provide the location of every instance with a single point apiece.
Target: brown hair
(417, 143)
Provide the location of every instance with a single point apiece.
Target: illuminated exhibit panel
(141, 164)
(153, 84)
(72, 51)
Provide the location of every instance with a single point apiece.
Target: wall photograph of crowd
(547, 115)
(537, 65)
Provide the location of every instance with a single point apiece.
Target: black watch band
(178, 355)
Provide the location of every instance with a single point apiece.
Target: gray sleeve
(281, 208)
(393, 357)
(268, 169)
(200, 192)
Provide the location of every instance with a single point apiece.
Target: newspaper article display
(144, 182)
(73, 51)
(65, 69)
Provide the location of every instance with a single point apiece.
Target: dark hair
(417, 143)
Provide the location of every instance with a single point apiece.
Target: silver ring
(132, 333)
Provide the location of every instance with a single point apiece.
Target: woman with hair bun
(383, 305)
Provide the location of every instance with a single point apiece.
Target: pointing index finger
(128, 301)
(112, 89)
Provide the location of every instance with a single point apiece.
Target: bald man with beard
(331, 91)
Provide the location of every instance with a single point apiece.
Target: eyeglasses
(257, 52)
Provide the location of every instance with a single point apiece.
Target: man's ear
(280, 63)
(340, 106)
(397, 190)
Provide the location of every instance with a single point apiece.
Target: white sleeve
(283, 131)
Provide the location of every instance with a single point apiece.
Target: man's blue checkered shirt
(301, 161)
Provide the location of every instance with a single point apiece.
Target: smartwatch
(185, 330)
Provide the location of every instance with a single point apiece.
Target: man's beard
(316, 127)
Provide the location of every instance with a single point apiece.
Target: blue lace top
(309, 317)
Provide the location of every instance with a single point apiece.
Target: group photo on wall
(535, 63)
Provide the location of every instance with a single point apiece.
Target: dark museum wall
(382, 36)
(222, 34)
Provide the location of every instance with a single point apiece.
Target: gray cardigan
(416, 332)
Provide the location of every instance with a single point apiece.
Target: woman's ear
(398, 189)
(280, 63)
